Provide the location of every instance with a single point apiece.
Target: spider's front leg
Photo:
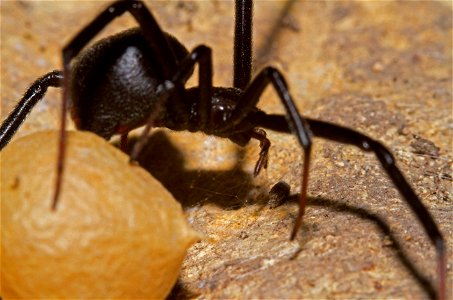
(348, 136)
(297, 123)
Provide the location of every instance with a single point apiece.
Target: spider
(137, 77)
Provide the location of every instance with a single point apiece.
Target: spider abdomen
(116, 80)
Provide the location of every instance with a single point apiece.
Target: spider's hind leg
(35, 93)
(158, 44)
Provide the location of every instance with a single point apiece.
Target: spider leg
(265, 144)
(155, 37)
(348, 136)
(35, 93)
(124, 141)
(151, 31)
(203, 56)
(297, 124)
(243, 44)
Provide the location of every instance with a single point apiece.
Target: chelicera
(137, 78)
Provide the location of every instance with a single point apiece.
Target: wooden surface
(383, 68)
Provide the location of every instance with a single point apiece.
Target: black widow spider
(137, 77)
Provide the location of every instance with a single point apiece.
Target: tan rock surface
(383, 68)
